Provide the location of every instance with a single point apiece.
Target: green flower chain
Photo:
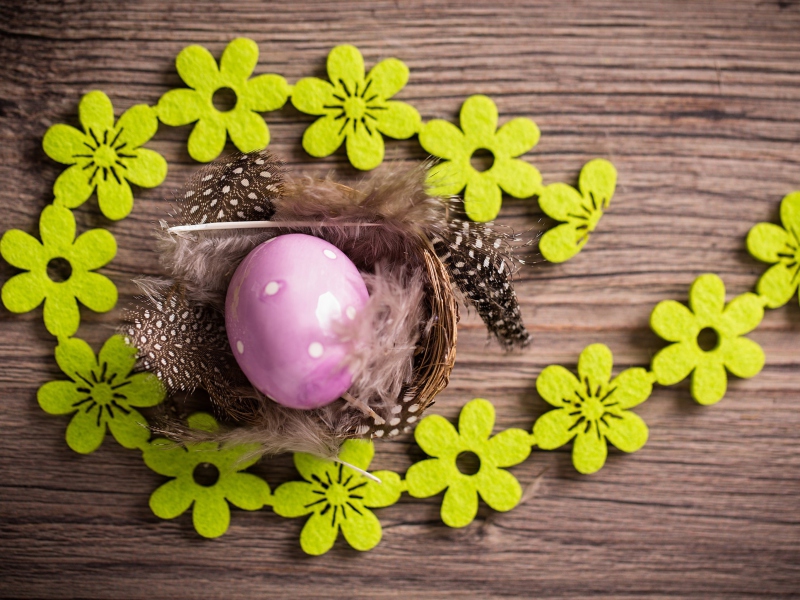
(707, 338)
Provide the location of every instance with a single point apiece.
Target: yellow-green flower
(102, 394)
(355, 107)
(246, 127)
(707, 339)
(90, 251)
(592, 408)
(780, 246)
(439, 439)
(206, 476)
(105, 156)
(337, 497)
(483, 193)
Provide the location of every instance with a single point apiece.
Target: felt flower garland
(591, 410)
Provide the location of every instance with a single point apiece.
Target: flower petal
(554, 429)
(674, 363)
(516, 137)
(59, 397)
(72, 187)
(346, 64)
(357, 452)
(499, 489)
(245, 490)
(631, 388)
(197, 68)
(318, 535)
(556, 385)
(57, 229)
(211, 515)
(673, 322)
(166, 458)
(93, 249)
(137, 125)
(143, 390)
(114, 197)
(207, 139)
(482, 198)
(62, 142)
(707, 296)
(22, 250)
(778, 284)
(75, 358)
(744, 313)
(362, 530)
(460, 504)
(148, 169)
(309, 465)
(598, 180)
(479, 120)
(516, 177)
(323, 137)
(94, 291)
(248, 130)
(387, 78)
(266, 92)
(310, 95)
(562, 243)
(386, 493)
(436, 436)
(429, 477)
(589, 452)
(765, 241)
(447, 178)
(476, 421)
(130, 428)
(295, 499)
(172, 499)
(96, 113)
(743, 357)
(709, 382)
(239, 59)
(84, 434)
(443, 139)
(364, 147)
(119, 358)
(399, 120)
(790, 212)
(508, 448)
(628, 433)
(24, 292)
(61, 314)
(594, 365)
(560, 201)
(180, 107)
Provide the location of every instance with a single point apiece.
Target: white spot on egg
(315, 350)
(351, 312)
(240, 346)
(329, 253)
(272, 288)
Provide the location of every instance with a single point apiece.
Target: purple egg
(281, 303)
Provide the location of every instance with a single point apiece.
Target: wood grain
(698, 106)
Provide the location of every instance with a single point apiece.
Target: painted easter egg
(279, 311)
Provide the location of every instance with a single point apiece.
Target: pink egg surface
(279, 309)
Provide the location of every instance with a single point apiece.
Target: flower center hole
(708, 339)
(468, 463)
(205, 474)
(224, 99)
(482, 159)
(59, 269)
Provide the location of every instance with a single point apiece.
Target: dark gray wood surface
(698, 106)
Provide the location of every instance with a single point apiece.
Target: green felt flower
(483, 195)
(90, 251)
(592, 408)
(780, 246)
(243, 124)
(707, 339)
(355, 107)
(438, 438)
(581, 210)
(102, 394)
(207, 476)
(105, 156)
(337, 497)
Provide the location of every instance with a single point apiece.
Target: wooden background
(698, 106)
